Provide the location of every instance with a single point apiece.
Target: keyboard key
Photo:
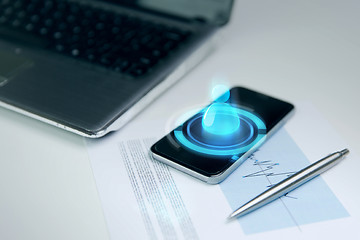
(116, 41)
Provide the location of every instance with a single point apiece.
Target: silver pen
(290, 183)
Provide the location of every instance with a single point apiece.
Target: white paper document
(145, 199)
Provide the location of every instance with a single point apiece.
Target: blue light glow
(220, 93)
(221, 119)
(235, 142)
(217, 152)
(218, 140)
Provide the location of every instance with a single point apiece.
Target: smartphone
(219, 138)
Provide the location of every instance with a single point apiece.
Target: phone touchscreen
(246, 119)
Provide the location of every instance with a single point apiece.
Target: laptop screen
(214, 11)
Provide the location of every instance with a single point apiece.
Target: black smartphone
(219, 138)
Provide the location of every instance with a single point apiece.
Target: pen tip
(344, 151)
(236, 214)
(230, 218)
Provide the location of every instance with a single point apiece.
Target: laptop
(90, 66)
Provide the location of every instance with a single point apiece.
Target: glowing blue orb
(220, 119)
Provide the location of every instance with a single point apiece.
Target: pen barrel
(308, 173)
(291, 183)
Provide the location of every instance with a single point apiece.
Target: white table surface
(294, 50)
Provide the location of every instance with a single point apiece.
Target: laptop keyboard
(118, 42)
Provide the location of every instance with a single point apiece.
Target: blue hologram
(222, 128)
(220, 119)
(252, 132)
(218, 152)
(235, 140)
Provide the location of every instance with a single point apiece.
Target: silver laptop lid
(93, 100)
(212, 11)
